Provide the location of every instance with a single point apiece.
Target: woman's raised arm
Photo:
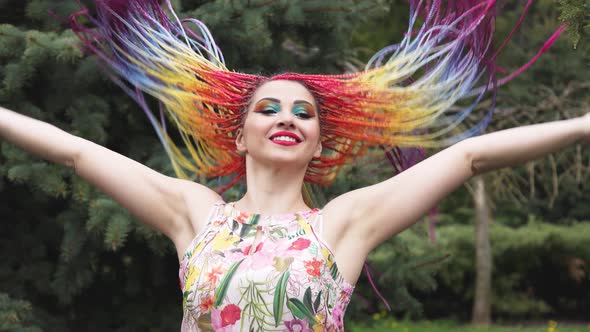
(377, 212)
(174, 207)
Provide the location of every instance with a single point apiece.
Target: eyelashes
(268, 111)
(270, 108)
(267, 107)
(301, 112)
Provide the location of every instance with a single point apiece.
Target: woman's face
(282, 125)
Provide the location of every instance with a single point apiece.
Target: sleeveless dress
(248, 272)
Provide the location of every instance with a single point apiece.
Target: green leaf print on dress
(243, 274)
(307, 300)
(299, 310)
(279, 298)
(248, 227)
(224, 284)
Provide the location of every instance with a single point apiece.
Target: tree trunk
(481, 314)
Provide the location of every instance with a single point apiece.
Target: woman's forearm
(38, 137)
(518, 145)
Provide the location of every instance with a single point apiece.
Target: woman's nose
(286, 119)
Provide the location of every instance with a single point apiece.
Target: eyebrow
(278, 101)
(269, 99)
(302, 102)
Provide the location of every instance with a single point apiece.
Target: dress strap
(217, 208)
(319, 222)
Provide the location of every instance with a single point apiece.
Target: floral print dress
(247, 272)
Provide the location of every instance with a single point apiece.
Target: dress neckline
(249, 217)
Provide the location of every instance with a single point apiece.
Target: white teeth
(284, 138)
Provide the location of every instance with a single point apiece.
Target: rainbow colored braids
(402, 98)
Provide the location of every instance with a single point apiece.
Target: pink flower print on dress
(242, 217)
(218, 222)
(338, 316)
(213, 275)
(224, 319)
(297, 325)
(248, 248)
(313, 267)
(269, 258)
(259, 257)
(206, 303)
(348, 289)
(299, 244)
(344, 294)
(286, 248)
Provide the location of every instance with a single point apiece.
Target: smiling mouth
(285, 138)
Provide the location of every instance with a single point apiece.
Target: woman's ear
(318, 150)
(240, 144)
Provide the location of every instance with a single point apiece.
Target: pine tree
(75, 255)
(554, 88)
(74, 259)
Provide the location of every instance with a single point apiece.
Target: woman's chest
(267, 274)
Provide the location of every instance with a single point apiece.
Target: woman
(280, 136)
(269, 261)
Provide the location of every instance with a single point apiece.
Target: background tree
(556, 91)
(74, 260)
(549, 90)
(72, 252)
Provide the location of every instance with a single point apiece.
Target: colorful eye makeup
(301, 108)
(267, 106)
(303, 111)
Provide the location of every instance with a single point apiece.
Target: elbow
(71, 162)
(73, 156)
(469, 153)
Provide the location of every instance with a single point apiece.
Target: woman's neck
(272, 191)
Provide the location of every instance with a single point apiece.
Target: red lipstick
(285, 138)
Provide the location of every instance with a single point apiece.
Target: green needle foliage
(77, 258)
(72, 258)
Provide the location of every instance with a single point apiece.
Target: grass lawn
(448, 326)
